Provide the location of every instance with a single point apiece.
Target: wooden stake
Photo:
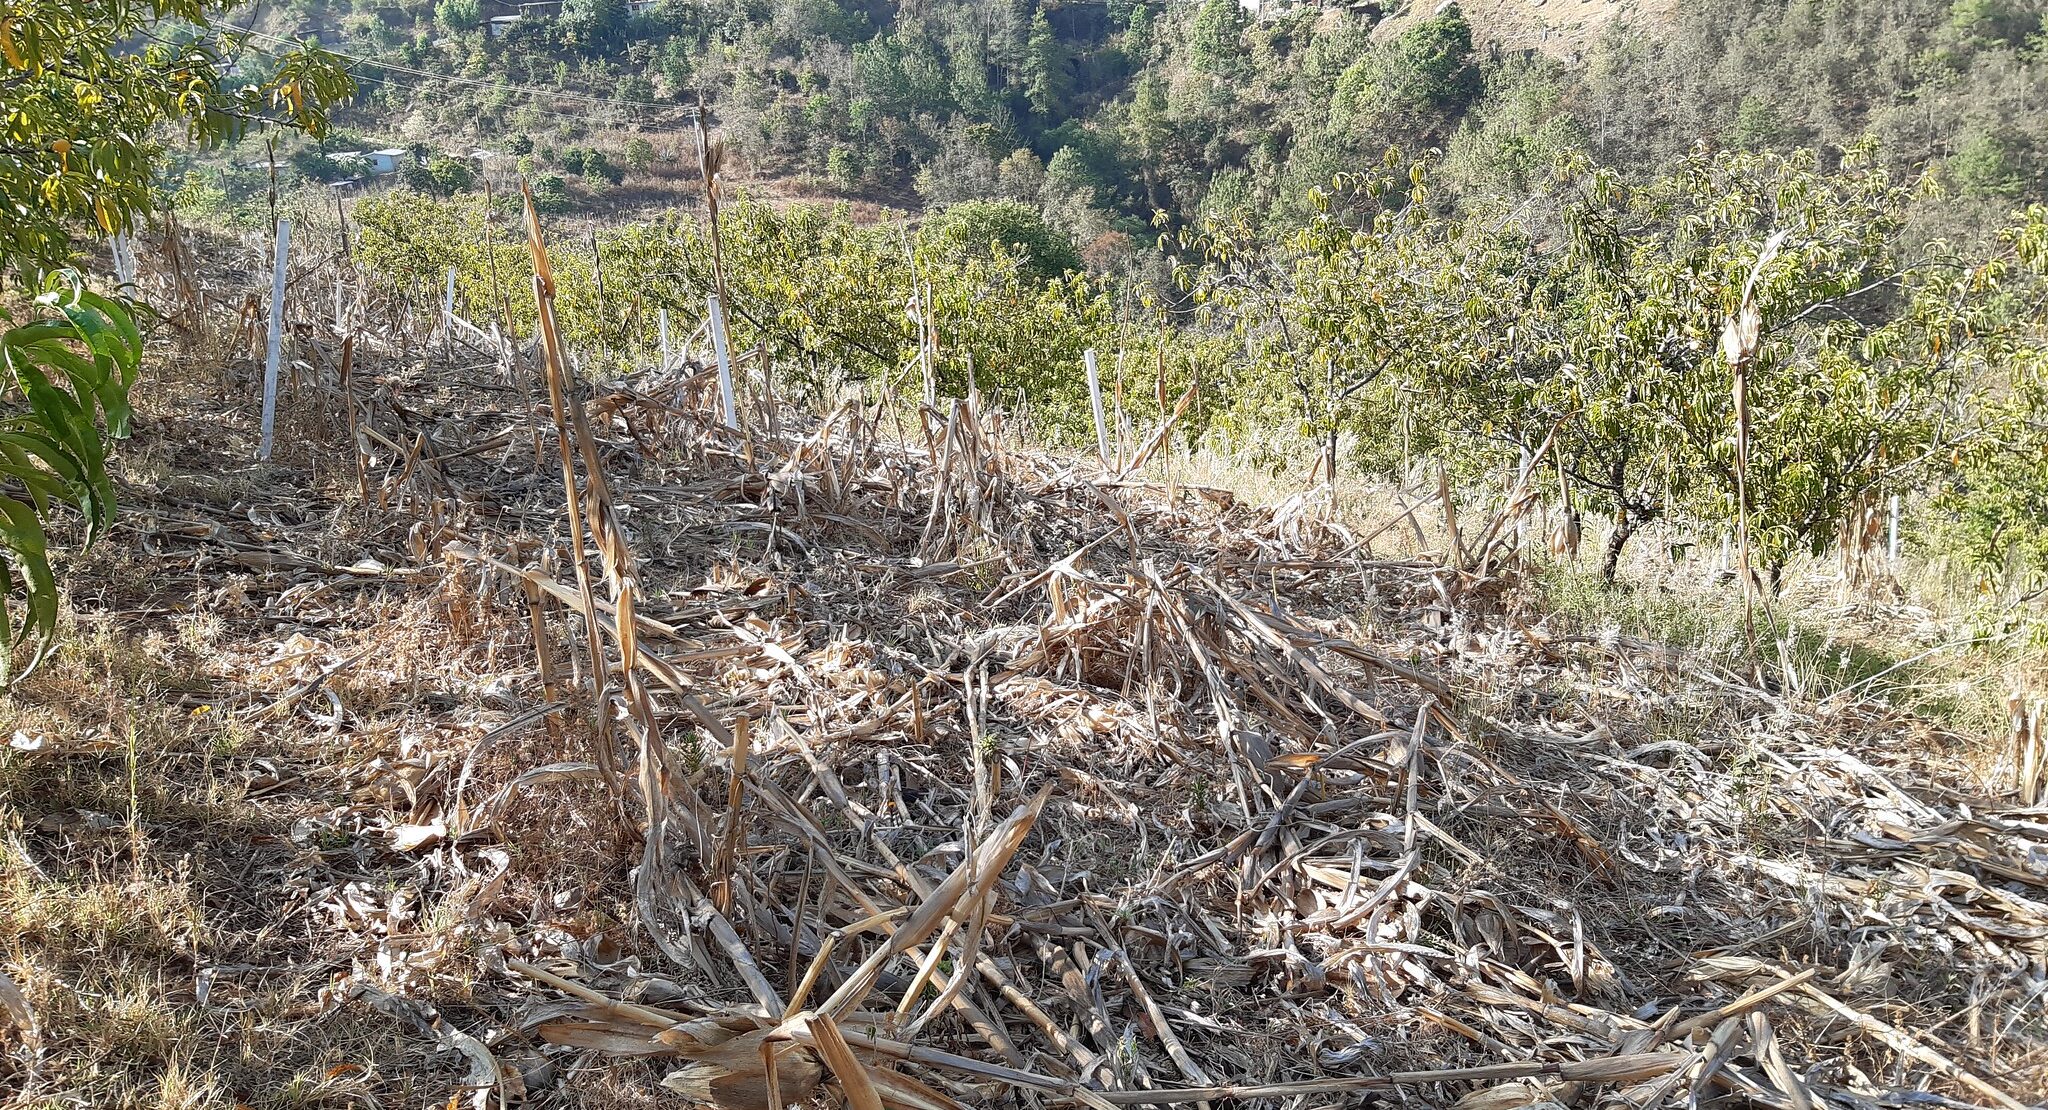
(733, 831)
(544, 658)
(355, 432)
(1454, 547)
(511, 335)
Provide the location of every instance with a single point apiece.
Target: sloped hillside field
(882, 760)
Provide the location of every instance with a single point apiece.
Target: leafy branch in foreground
(73, 370)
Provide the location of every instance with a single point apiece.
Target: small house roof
(392, 152)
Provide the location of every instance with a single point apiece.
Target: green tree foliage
(982, 228)
(1487, 337)
(1179, 95)
(843, 167)
(1516, 134)
(963, 168)
(551, 194)
(676, 66)
(826, 295)
(1216, 38)
(450, 175)
(1923, 76)
(68, 368)
(1615, 348)
(1426, 71)
(311, 163)
(1861, 339)
(1992, 504)
(1074, 188)
(1021, 175)
(88, 97)
(459, 15)
(1758, 125)
(1047, 79)
(2003, 22)
(596, 164)
(1634, 380)
(903, 73)
(590, 163)
(1139, 37)
(1332, 314)
(1988, 165)
(594, 27)
(639, 154)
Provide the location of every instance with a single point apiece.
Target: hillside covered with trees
(1105, 113)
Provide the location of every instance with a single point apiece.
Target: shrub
(551, 195)
(639, 154)
(459, 15)
(977, 228)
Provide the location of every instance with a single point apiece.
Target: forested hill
(1104, 113)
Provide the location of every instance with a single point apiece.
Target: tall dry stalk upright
(1740, 337)
(2029, 748)
(711, 163)
(1564, 542)
(591, 514)
(604, 747)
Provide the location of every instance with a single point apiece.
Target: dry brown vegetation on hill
(1563, 29)
(937, 769)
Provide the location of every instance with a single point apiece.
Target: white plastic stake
(270, 354)
(928, 349)
(1891, 546)
(732, 409)
(124, 261)
(448, 302)
(664, 339)
(1095, 396)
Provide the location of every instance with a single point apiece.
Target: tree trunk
(1625, 525)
